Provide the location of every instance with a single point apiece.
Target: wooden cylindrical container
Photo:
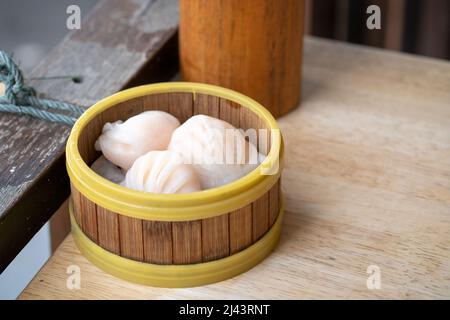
(251, 46)
(175, 240)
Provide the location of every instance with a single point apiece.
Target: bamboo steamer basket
(175, 240)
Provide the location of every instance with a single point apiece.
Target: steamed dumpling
(123, 142)
(217, 157)
(161, 172)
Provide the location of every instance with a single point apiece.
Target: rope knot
(12, 77)
(22, 99)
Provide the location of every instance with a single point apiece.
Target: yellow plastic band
(177, 276)
(174, 207)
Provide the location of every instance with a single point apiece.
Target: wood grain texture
(158, 101)
(274, 202)
(121, 43)
(215, 238)
(263, 62)
(230, 112)
(89, 218)
(76, 198)
(240, 224)
(206, 104)
(158, 242)
(366, 181)
(187, 242)
(181, 105)
(131, 238)
(247, 120)
(264, 137)
(108, 230)
(260, 217)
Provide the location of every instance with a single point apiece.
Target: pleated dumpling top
(217, 150)
(123, 142)
(161, 172)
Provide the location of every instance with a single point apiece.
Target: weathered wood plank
(121, 43)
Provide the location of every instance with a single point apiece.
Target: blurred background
(414, 26)
(31, 28)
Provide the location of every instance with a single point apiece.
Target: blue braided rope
(21, 99)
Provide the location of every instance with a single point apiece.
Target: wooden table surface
(366, 181)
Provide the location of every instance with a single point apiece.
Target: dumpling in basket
(123, 142)
(217, 150)
(161, 172)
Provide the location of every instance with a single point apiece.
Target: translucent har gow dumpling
(217, 150)
(123, 142)
(161, 172)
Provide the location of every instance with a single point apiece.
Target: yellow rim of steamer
(174, 207)
(177, 276)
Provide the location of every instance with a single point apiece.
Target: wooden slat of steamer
(259, 208)
(157, 242)
(108, 230)
(89, 218)
(240, 221)
(264, 136)
(187, 242)
(121, 43)
(215, 238)
(229, 111)
(274, 202)
(260, 216)
(157, 236)
(186, 235)
(215, 233)
(250, 123)
(90, 135)
(123, 111)
(131, 239)
(240, 225)
(76, 200)
(247, 119)
(159, 101)
(181, 105)
(206, 104)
